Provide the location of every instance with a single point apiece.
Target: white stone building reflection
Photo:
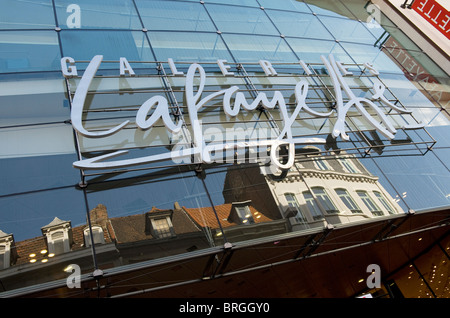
(316, 191)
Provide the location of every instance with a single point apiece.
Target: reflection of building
(239, 221)
(316, 191)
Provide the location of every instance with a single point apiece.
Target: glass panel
(330, 8)
(348, 30)
(250, 3)
(100, 14)
(132, 202)
(273, 49)
(380, 60)
(23, 214)
(246, 188)
(29, 51)
(32, 14)
(407, 175)
(188, 46)
(290, 5)
(310, 50)
(182, 16)
(241, 20)
(111, 44)
(299, 25)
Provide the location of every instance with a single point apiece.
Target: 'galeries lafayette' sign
(157, 108)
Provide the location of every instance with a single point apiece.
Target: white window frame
(382, 199)
(326, 200)
(97, 231)
(369, 203)
(346, 197)
(53, 242)
(292, 202)
(4, 255)
(312, 205)
(167, 232)
(348, 165)
(321, 164)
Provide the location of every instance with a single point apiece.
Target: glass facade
(169, 208)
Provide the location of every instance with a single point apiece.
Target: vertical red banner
(435, 14)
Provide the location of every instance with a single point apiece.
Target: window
(97, 233)
(321, 164)
(162, 227)
(57, 243)
(3, 260)
(6, 240)
(294, 207)
(384, 202)
(244, 214)
(369, 203)
(348, 200)
(325, 200)
(348, 165)
(312, 206)
(59, 236)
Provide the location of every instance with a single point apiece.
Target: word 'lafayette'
(145, 118)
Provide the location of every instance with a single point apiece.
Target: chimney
(99, 215)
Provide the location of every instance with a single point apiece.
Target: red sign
(435, 14)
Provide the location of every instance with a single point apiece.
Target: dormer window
(97, 234)
(244, 214)
(162, 227)
(59, 236)
(6, 241)
(159, 223)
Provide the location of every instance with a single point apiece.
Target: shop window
(373, 208)
(348, 200)
(325, 200)
(97, 234)
(384, 202)
(294, 207)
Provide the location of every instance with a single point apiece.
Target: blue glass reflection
(183, 16)
(31, 14)
(29, 51)
(100, 14)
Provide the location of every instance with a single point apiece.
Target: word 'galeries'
(156, 108)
